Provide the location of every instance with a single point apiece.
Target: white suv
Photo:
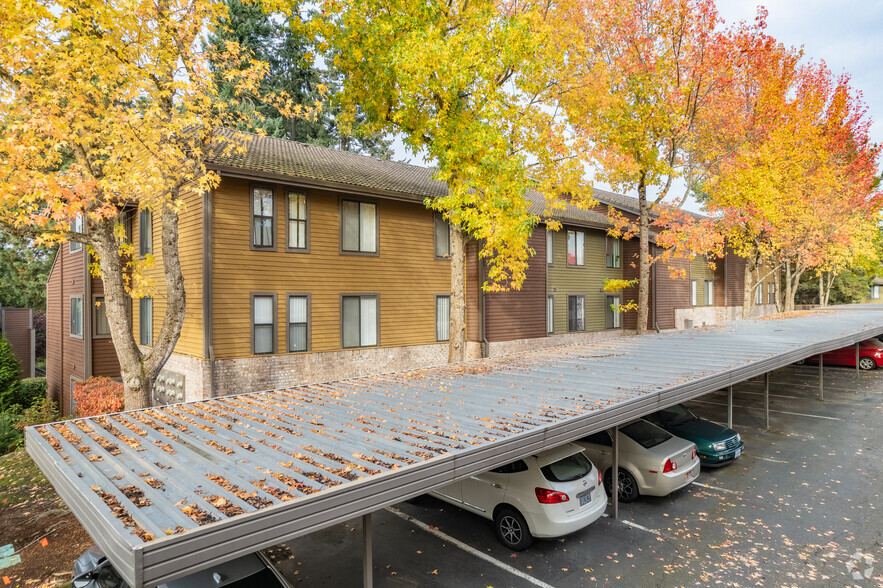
(551, 494)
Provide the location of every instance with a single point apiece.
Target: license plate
(585, 497)
(688, 475)
(738, 453)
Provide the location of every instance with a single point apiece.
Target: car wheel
(512, 529)
(867, 363)
(628, 486)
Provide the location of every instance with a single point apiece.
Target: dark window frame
(376, 296)
(438, 218)
(95, 311)
(360, 201)
(274, 325)
(576, 250)
(574, 320)
(288, 220)
(437, 297)
(82, 313)
(145, 243)
(141, 321)
(309, 322)
(708, 293)
(613, 260)
(252, 216)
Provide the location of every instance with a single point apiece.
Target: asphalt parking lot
(801, 507)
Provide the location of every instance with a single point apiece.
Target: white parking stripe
(765, 458)
(468, 549)
(812, 416)
(635, 525)
(716, 488)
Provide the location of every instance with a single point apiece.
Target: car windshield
(572, 467)
(646, 434)
(679, 415)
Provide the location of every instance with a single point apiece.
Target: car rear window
(646, 434)
(572, 467)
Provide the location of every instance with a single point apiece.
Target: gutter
(482, 310)
(207, 347)
(87, 316)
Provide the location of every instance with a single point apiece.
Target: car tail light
(693, 455)
(669, 466)
(599, 478)
(546, 496)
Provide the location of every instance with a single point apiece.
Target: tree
(280, 40)
(24, 270)
(475, 86)
(109, 107)
(646, 72)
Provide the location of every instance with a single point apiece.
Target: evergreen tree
(292, 69)
(10, 374)
(24, 269)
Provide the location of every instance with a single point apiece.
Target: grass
(21, 480)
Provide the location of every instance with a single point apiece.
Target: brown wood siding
(473, 292)
(104, 356)
(671, 292)
(53, 330)
(405, 273)
(735, 278)
(521, 314)
(564, 280)
(190, 244)
(17, 328)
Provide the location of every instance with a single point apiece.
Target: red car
(870, 356)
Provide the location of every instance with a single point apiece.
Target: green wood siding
(700, 271)
(587, 280)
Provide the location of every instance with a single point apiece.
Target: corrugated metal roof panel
(157, 488)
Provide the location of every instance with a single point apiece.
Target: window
(77, 316)
(442, 317)
(359, 320)
(298, 322)
(263, 323)
(550, 314)
(442, 235)
(298, 238)
(358, 226)
(614, 318)
(694, 292)
(145, 321)
(709, 292)
(576, 248)
(262, 217)
(758, 294)
(576, 313)
(77, 227)
(550, 247)
(613, 252)
(771, 293)
(875, 291)
(145, 228)
(100, 328)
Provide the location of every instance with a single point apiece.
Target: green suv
(715, 444)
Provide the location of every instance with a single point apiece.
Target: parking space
(800, 507)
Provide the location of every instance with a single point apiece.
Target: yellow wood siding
(405, 273)
(700, 272)
(190, 243)
(587, 280)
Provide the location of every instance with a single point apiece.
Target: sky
(846, 34)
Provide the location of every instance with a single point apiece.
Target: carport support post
(856, 360)
(821, 377)
(614, 475)
(730, 407)
(367, 563)
(766, 398)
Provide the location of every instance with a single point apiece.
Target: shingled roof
(281, 157)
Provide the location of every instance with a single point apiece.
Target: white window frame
(272, 324)
(709, 293)
(550, 247)
(694, 292)
(550, 313)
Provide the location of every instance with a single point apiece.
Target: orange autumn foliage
(97, 396)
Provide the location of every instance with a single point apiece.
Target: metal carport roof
(168, 490)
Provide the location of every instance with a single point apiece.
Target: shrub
(10, 372)
(98, 396)
(40, 412)
(10, 434)
(30, 391)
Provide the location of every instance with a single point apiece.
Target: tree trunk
(643, 258)
(457, 340)
(751, 284)
(139, 371)
(822, 301)
(788, 300)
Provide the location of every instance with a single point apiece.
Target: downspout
(482, 310)
(207, 344)
(655, 297)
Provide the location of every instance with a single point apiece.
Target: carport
(168, 490)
